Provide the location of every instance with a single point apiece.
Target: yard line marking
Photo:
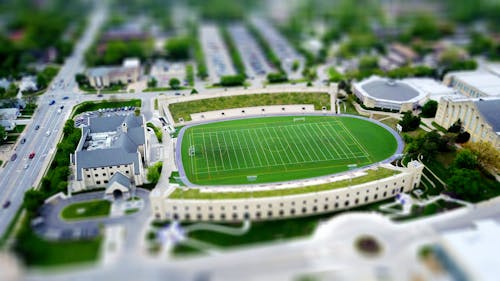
(241, 150)
(268, 147)
(232, 145)
(227, 150)
(334, 130)
(356, 140)
(328, 138)
(312, 140)
(206, 155)
(220, 151)
(284, 149)
(213, 152)
(263, 149)
(250, 133)
(295, 143)
(246, 146)
(304, 138)
(280, 137)
(319, 140)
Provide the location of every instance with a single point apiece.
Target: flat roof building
(402, 95)
(474, 84)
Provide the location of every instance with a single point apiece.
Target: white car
(26, 166)
(47, 133)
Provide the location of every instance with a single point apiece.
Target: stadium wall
(281, 207)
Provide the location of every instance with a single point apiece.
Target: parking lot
(216, 53)
(82, 119)
(253, 58)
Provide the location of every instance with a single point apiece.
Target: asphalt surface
(14, 179)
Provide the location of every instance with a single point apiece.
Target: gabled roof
(489, 109)
(120, 178)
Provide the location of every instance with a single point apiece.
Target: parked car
(52, 102)
(37, 127)
(32, 155)
(65, 97)
(13, 157)
(23, 140)
(6, 204)
(99, 95)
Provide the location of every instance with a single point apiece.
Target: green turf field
(271, 149)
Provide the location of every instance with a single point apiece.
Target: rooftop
(489, 109)
(483, 81)
(388, 89)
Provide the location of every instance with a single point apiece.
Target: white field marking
(316, 144)
(296, 146)
(227, 150)
(311, 157)
(220, 150)
(206, 156)
(288, 148)
(346, 132)
(193, 167)
(335, 131)
(284, 149)
(316, 133)
(268, 147)
(302, 136)
(232, 145)
(213, 152)
(250, 134)
(329, 138)
(356, 140)
(242, 151)
(263, 150)
(247, 147)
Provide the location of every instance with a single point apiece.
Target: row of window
(103, 168)
(258, 214)
(104, 174)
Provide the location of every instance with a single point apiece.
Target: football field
(256, 150)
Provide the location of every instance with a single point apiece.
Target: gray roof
(119, 178)
(490, 109)
(122, 151)
(99, 71)
(395, 90)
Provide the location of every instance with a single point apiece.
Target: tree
(154, 172)
(41, 81)
(462, 137)
(177, 48)
(487, 155)
(409, 122)
(81, 79)
(429, 109)
(3, 134)
(464, 183)
(174, 83)
(152, 83)
(232, 80)
(465, 159)
(295, 65)
(33, 199)
(455, 127)
(277, 77)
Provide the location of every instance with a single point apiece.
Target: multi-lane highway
(23, 173)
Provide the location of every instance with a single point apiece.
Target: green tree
(174, 83)
(465, 159)
(455, 127)
(464, 183)
(152, 83)
(429, 109)
(154, 172)
(409, 122)
(3, 134)
(33, 199)
(177, 48)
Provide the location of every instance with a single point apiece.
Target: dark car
(99, 95)
(65, 97)
(13, 157)
(32, 155)
(23, 140)
(52, 102)
(62, 106)
(6, 204)
(37, 127)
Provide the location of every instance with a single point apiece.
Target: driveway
(53, 227)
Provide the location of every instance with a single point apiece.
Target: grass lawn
(184, 109)
(158, 131)
(438, 127)
(391, 122)
(266, 231)
(84, 210)
(93, 106)
(281, 148)
(372, 175)
(349, 108)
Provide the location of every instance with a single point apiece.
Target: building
(474, 84)
(471, 253)
(110, 145)
(163, 71)
(282, 207)
(401, 95)
(479, 117)
(104, 76)
(8, 117)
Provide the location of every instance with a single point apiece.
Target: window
(103, 174)
(257, 215)
(325, 207)
(176, 216)
(375, 197)
(210, 216)
(246, 216)
(385, 193)
(270, 214)
(222, 216)
(243, 111)
(336, 205)
(304, 210)
(106, 181)
(235, 216)
(366, 199)
(315, 209)
(292, 211)
(96, 175)
(88, 176)
(98, 182)
(401, 189)
(281, 212)
(126, 172)
(346, 203)
(187, 216)
(356, 201)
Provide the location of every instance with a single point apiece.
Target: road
(14, 178)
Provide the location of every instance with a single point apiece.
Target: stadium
(289, 155)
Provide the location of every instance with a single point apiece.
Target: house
(479, 117)
(110, 145)
(8, 118)
(104, 76)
